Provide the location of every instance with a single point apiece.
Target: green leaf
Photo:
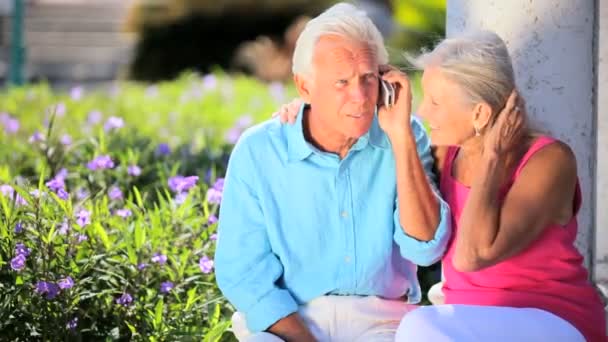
(138, 199)
(158, 313)
(215, 334)
(139, 235)
(103, 236)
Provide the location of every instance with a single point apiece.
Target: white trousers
(442, 323)
(340, 319)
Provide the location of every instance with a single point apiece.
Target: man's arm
(246, 267)
(422, 217)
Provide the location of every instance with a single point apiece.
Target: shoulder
(554, 158)
(549, 171)
(256, 141)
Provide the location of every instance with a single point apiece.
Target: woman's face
(445, 109)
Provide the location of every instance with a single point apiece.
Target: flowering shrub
(108, 207)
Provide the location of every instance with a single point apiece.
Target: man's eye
(341, 82)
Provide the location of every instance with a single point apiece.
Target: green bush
(100, 238)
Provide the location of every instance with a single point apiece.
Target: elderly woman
(512, 272)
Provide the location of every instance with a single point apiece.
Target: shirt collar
(299, 149)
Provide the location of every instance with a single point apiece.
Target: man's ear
(303, 85)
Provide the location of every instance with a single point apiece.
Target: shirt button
(347, 259)
(344, 214)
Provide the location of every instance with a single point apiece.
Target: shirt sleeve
(246, 268)
(424, 253)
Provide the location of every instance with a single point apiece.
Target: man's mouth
(355, 115)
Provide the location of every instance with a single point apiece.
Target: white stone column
(601, 228)
(551, 43)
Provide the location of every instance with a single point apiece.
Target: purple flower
(83, 217)
(113, 123)
(244, 121)
(212, 219)
(11, 125)
(56, 184)
(66, 283)
(62, 194)
(115, 194)
(142, 266)
(209, 82)
(134, 170)
(72, 324)
(213, 237)
(59, 109)
(76, 93)
(180, 198)
(82, 193)
(18, 262)
(36, 193)
(8, 192)
(166, 286)
(163, 150)
(205, 264)
(125, 299)
(62, 174)
(181, 184)
(233, 135)
(20, 249)
(94, 117)
(64, 228)
(219, 184)
(160, 259)
(18, 227)
(66, 140)
(50, 289)
(277, 91)
(124, 213)
(214, 196)
(101, 163)
(81, 237)
(36, 137)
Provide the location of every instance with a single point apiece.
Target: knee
(417, 325)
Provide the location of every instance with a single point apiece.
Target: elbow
(468, 263)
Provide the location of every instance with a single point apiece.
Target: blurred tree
(175, 35)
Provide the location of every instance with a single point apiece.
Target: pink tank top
(547, 275)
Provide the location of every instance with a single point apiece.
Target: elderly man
(322, 222)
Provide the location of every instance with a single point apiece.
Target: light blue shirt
(297, 223)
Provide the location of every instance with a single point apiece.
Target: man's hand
(292, 329)
(395, 121)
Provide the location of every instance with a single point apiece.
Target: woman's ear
(482, 116)
(303, 85)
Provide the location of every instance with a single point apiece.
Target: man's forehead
(338, 48)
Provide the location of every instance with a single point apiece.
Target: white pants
(340, 319)
(442, 323)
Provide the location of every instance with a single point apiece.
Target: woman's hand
(508, 129)
(289, 112)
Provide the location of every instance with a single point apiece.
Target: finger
(283, 113)
(511, 101)
(292, 116)
(386, 68)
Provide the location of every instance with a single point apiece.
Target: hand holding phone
(386, 94)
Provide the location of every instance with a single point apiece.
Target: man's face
(344, 87)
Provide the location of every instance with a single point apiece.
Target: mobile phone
(387, 93)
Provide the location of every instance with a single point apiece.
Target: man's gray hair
(479, 62)
(342, 19)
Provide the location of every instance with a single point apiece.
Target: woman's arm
(491, 230)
